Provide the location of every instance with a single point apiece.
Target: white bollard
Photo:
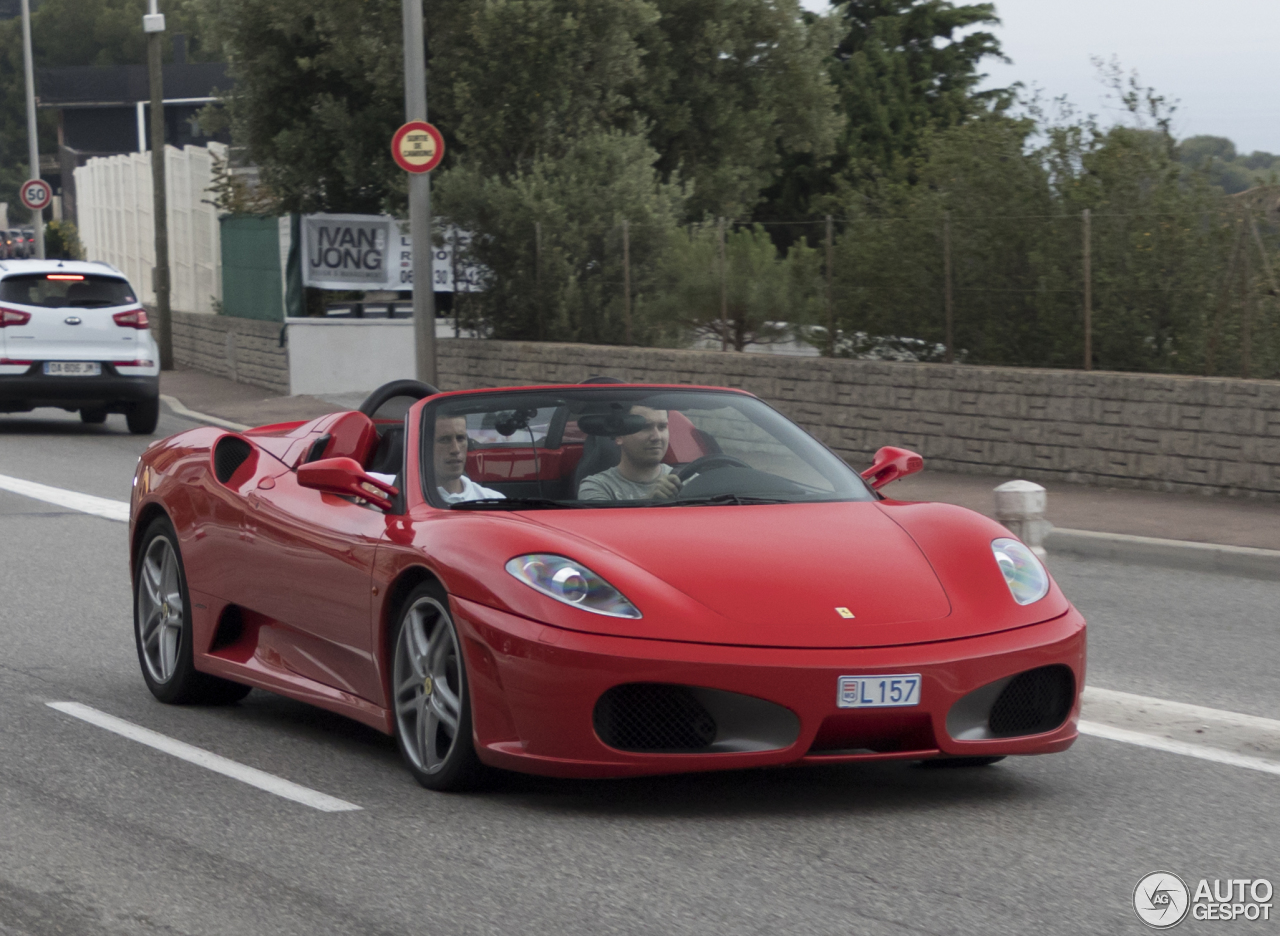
(1020, 505)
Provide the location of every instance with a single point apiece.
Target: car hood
(765, 575)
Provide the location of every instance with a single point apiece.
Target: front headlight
(1027, 580)
(572, 583)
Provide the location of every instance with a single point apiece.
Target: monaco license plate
(72, 368)
(893, 691)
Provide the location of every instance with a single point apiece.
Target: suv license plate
(72, 368)
(894, 691)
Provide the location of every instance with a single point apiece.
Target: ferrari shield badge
(845, 613)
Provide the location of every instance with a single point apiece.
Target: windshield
(66, 290)
(615, 447)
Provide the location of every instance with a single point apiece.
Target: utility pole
(415, 108)
(153, 26)
(946, 272)
(626, 275)
(1087, 225)
(831, 309)
(724, 292)
(33, 142)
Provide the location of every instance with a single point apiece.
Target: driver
(451, 460)
(640, 474)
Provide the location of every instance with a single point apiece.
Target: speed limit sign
(36, 194)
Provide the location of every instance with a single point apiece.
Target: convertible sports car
(594, 580)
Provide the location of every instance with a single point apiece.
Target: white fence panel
(116, 224)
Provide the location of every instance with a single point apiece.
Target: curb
(1247, 561)
(176, 405)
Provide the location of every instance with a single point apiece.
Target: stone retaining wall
(245, 350)
(1133, 430)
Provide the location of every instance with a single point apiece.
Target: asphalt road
(101, 835)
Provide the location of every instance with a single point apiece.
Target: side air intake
(228, 455)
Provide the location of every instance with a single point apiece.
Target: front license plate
(72, 368)
(879, 691)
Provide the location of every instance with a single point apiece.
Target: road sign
(417, 147)
(36, 194)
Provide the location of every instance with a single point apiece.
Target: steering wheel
(396, 388)
(709, 463)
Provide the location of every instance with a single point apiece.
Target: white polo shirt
(470, 491)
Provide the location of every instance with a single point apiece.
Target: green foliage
(1217, 157)
(1161, 240)
(62, 241)
(904, 69)
(765, 298)
(319, 91)
(568, 287)
(733, 89)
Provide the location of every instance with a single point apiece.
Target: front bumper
(111, 390)
(535, 688)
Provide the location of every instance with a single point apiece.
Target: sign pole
(33, 143)
(153, 26)
(415, 108)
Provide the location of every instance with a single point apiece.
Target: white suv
(75, 336)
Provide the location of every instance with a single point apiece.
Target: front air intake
(1033, 702)
(653, 717)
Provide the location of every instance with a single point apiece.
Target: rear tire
(162, 626)
(144, 417)
(93, 417)
(431, 696)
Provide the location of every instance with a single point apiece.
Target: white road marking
(1217, 755)
(73, 500)
(218, 764)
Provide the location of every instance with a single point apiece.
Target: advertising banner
(371, 252)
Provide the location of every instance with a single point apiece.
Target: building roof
(92, 86)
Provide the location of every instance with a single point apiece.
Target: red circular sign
(417, 147)
(36, 194)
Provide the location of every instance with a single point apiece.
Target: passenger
(451, 460)
(640, 474)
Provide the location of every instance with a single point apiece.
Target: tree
(732, 88)
(318, 92)
(902, 71)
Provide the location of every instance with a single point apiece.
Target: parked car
(8, 245)
(28, 242)
(17, 241)
(488, 577)
(74, 335)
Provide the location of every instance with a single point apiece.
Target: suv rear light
(13, 317)
(132, 318)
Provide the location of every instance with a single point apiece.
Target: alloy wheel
(428, 685)
(160, 609)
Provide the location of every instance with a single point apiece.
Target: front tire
(431, 695)
(162, 626)
(144, 417)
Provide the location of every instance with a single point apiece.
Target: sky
(1218, 61)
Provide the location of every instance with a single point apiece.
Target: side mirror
(344, 476)
(890, 464)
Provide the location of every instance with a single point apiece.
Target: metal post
(724, 292)
(453, 273)
(415, 108)
(1246, 313)
(831, 309)
(33, 142)
(626, 275)
(153, 25)
(946, 272)
(537, 275)
(1088, 290)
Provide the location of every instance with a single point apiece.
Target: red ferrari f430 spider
(594, 580)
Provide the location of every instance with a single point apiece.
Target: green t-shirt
(611, 485)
